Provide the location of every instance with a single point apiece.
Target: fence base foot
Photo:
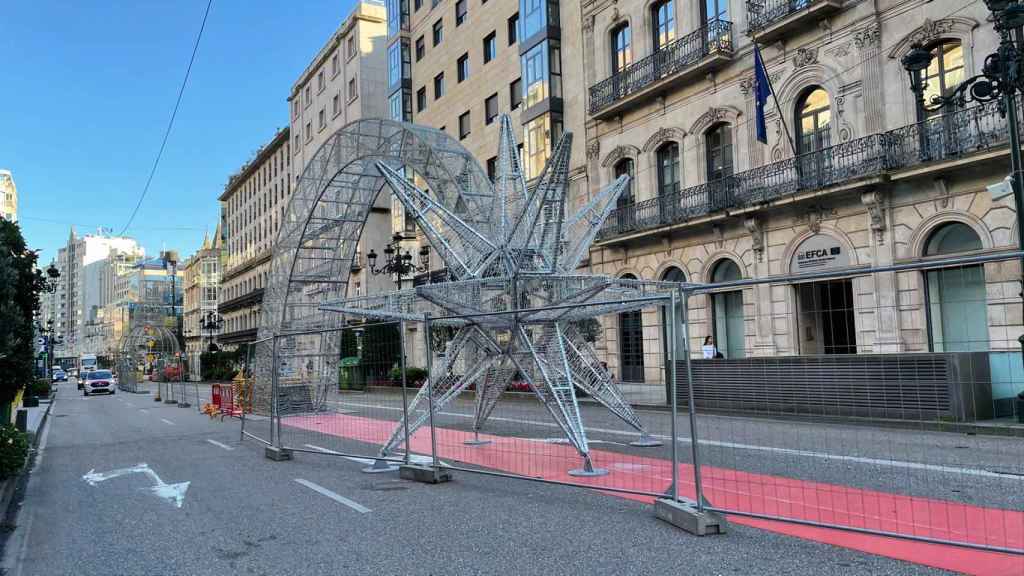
(169, 401)
(645, 441)
(184, 405)
(277, 454)
(379, 466)
(477, 442)
(424, 473)
(157, 398)
(588, 470)
(684, 515)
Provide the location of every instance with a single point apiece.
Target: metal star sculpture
(515, 301)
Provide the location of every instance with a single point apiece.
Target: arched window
(957, 310)
(668, 169)
(624, 167)
(727, 319)
(673, 274)
(718, 143)
(813, 120)
(663, 23)
(622, 51)
(946, 71)
(631, 343)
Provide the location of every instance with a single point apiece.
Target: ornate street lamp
(1001, 78)
(211, 323)
(396, 262)
(52, 274)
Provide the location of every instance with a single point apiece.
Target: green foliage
(589, 328)
(20, 284)
(414, 377)
(13, 451)
(40, 387)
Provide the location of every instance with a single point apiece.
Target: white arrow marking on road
(333, 496)
(173, 493)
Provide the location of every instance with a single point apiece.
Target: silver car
(99, 381)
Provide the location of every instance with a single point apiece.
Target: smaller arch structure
(146, 349)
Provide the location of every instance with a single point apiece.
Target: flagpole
(782, 117)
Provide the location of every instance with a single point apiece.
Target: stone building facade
(202, 294)
(852, 175)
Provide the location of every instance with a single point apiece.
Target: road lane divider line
(166, 421)
(333, 496)
(219, 444)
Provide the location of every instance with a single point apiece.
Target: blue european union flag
(762, 89)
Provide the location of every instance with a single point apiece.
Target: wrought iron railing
(764, 14)
(715, 37)
(950, 136)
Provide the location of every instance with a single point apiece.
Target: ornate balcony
(958, 136)
(771, 19)
(692, 55)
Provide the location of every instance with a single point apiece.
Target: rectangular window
(352, 92)
(309, 96)
(515, 93)
(417, 4)
(421, 99)
(490, 47)
(336, 104)
(334, 65)
(438, 85)
(398, 16)
(320, 81)
(491, 108)
(394, 65)
(464, 122)
(421, 48)
(535, 74)
(395, 106)
(461, 11)
(438, 32)
(534, 14)
(536, 138)
(295, 108)
(492, 167)
(462, 66)
(351, 46)
(309, 131)
(513, 29)
(321, 119)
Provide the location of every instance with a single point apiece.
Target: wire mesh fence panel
(880, 400)
(256, 417)
(339, 390)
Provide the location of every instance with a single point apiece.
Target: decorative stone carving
(620, 152)
(747, 85)
(840, 101)
(932, 29)
(593, 149)
(662, 135)
(805, 57)
(719, 234)
(868, 37)
(712, 116)
(942, 191)
(814, 216)
(842, 50)
(875, 204)
(755, 227)
(588, 24)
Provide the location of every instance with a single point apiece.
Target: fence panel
(878, 401)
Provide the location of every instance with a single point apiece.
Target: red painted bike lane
(741, 491)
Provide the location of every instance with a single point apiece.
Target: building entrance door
(631, 346)
(826, 320)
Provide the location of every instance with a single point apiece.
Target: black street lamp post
(1002, 77)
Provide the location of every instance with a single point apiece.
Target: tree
(20, 284)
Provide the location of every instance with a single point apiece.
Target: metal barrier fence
(872, 400)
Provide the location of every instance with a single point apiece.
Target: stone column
(868, 42)
(755, 150)
(888, 335)
(764, 342)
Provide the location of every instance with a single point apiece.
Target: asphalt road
(243, 514)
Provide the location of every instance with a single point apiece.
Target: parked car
(99, 381)
(60, 376)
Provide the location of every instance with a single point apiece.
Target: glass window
(351, 46)
(334, 65)
(421, 99)
(668, 169)
(420, 48)
(490, 47)
(625, 168)
(335, 105)
(438, 32)
(398, 16)
(663, 23)
(952, 238)
(491, 108)
(812, 122)
(513, 29)
(417, 4)
(438, 85)
(622, 52)
(322, 119)
(395, 106)
(534, 17)
(352, 92)
(461, 11)
(537, 142)
(492, 167)
(320, 81)
(464, 122)
(535, 71)
(945, 72)
(715, 10)
(394, 65)
(718, 143)
(515, 91)
(462, 67)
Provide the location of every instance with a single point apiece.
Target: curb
(9, 487)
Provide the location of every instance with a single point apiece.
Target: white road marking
(172, 493)
(219, 444)
(752, 447)
(166, 421)
(333, 496)
(143, 410)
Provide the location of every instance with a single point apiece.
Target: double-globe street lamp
(1001, 78)
(49, 286)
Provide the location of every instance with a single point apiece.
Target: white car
(99, 381)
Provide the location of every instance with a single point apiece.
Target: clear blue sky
(87, 88)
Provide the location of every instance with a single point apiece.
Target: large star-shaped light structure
(515, 299)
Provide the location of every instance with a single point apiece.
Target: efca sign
(819, 252)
